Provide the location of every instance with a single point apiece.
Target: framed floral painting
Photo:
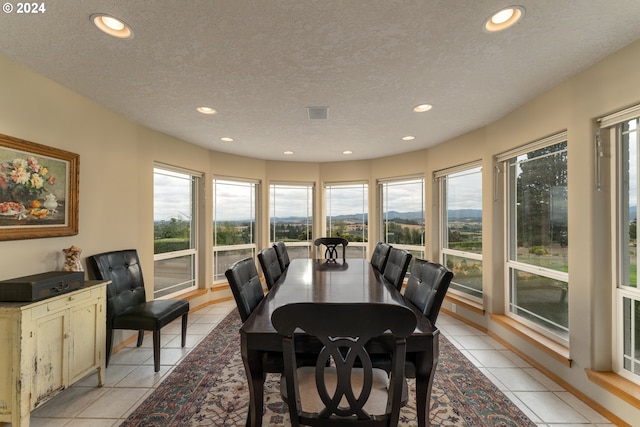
(38, 190)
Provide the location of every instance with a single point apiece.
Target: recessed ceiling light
(112, 26)
(408, 138)
(226, 139)
(347, 152)
(287, 153)
(503, 19)
(422, 108)
(206, 110)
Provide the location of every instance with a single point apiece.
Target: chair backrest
(271, 270)
(396, 267)
(427, 286)
(127, 286)
(331, 246)
(246, 286)
(380, 256)
(343, 392)
(283, 255)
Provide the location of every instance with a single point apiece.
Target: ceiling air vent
(318, 113)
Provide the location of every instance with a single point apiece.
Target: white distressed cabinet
(48, 345)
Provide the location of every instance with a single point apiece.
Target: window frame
(353, 246)
(311, 188)
(441, 176)
(513, 266)
(196, 182)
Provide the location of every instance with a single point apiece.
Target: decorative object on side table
(38, 190)
(72, 259)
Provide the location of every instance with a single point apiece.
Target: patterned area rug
(209, 389)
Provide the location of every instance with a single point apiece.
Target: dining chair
(127, 306)
(380, 256)
(270, 265)
(283, 255)
(396, 266)
(349, 390)
(245, 285)
(331, 246)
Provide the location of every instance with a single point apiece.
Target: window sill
(467, 303)
(552, 348)
(616, 385)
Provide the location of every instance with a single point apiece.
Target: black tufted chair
(270, 266)
(380, 256)
(396, 267)
(426, 287)
(283, 255)
(127, 307)
(245, 285)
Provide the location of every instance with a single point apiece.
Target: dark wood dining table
(352, 280)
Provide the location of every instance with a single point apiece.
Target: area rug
(209, 388)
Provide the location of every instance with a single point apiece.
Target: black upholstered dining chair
(331, 246)
(127, 307)
(283, 255)
(349, 390)
(245, 285)
(396, 266)
(270, 265)
(427, 286)
(380, 256)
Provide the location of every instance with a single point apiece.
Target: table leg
(426, 363)
(255, 377)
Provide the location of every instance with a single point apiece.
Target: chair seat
(311, 401)
(152, 315)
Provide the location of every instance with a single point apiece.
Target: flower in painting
(22, 180)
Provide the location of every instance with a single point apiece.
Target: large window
(623, 132)
(537, 263)
(291, 218)
(174, 230)
(402, 214)
(234, 223)
(347, 216)
(461, 232)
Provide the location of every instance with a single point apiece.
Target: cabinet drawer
(60, 303)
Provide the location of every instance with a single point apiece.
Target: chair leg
(184, 329)
(156, 350)
(109, 347)
(140, 338)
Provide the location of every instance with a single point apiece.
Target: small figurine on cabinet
(72, 259)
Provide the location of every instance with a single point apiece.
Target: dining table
(335, 281)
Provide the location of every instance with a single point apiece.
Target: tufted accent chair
(380, 256)
(127, 307)
(396, 266)
(270, 265)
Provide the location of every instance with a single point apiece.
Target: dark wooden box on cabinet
(40, 286)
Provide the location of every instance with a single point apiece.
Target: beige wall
(116, 189)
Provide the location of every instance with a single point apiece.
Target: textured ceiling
(260, 63)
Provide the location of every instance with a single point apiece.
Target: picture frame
(38, 190)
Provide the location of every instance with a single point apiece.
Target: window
(461, 232)
(537, 262)
(623, 128)
(291, 218)
(174, 230)
(234, 223)
(347, 216)
(402, 214)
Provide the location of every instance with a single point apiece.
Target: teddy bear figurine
(72, 259)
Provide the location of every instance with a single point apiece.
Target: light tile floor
(130, 378)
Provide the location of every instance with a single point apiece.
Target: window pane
(463, 198)
(540, 300)
(467, 274)
(173, 274)
(234, 223)
(403, 212)
(347, 216)
(291, 218)
(629, 202)
(539, 216)
(172, 211)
